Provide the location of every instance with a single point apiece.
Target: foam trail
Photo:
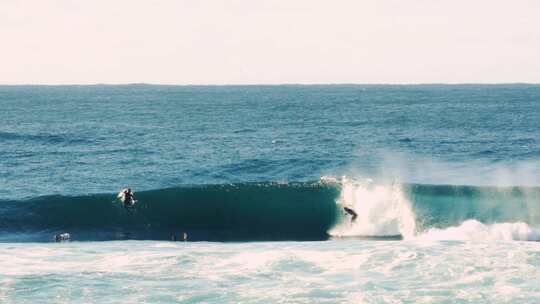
(383, 210)
(471, 230)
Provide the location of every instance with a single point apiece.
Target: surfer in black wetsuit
(129, 199)
(351, 212)
(62, 237)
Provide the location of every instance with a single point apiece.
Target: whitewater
(445, 180)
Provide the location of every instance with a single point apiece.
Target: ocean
(444, 179)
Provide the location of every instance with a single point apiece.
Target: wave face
(284, 211)
(443, 206)
(250, 211)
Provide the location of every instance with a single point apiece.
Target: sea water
(445, 180)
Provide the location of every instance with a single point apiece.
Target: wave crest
(383, 210)
(473, 230)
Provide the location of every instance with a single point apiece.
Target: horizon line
(273, 84)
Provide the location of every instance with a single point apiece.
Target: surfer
(351, 212)
(127, 197)
(181, 237)
(62, 237)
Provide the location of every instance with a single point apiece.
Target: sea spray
(383, 209)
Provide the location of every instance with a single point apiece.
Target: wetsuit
(351, 212)
(129, 200)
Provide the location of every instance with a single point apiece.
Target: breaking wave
(284, 211)
(473, 230)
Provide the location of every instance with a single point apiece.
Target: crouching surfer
(351, 212)
(127, 198)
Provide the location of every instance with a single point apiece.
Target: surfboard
(121, 195)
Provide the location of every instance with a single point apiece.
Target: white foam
(301, 272)
(474, 230)
(382, 209)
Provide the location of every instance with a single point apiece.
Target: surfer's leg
(128, 207)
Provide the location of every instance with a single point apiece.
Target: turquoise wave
(250, 211)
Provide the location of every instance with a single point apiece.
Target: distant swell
(283, 211)
(42, 138)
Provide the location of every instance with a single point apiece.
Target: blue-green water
(445, 180)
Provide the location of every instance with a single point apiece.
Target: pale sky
(269, 42)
